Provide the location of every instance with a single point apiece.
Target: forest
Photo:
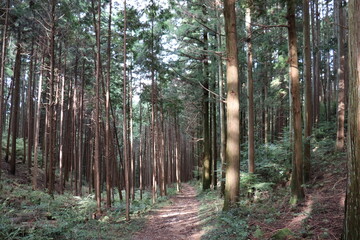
(180, 119)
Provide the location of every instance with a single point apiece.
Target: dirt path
(177, 221)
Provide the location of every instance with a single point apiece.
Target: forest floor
(191, 214)
(319, 216)
(179, 220)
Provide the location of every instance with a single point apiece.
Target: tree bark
(250, 91)
(36, 128)
(107, 112)
(15, 106)
(51, 107)
(233, 108)
(125, 132)
(221, 109)
(352, 203)
(2, 74)
(153, 111)
(97, 112)
(308, 95)
(340, 133)
(206, 170)
(297, 191)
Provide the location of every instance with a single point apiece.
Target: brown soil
(179, 220)
(320, 216)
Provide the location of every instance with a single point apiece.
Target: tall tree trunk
(308, 97)
(36, 128)
(177, 153)
(81, 117)
(233, 108)
(107, 112)
(140, 150)
(221, 108)
(206, 164)
(125, 132)
(97, 112)
(52, 132)
(2, 74)
(15, 106)
(297, 191)
(250, 91)
(131, 142)
(315, 37)
(61, 144)
(153, 111)
(340, 134)
(352, 203)
(30, 112)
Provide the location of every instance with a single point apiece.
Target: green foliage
(273, 162)
(220, 224)
(282, 234)
(20, 148)
(258, 233)
(33, 215)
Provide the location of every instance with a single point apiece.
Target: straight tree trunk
(29, 111)
(140, 150)
(250, 91)
(15, 106)
(153, 111)
(233, 109)
(131, 142)
(81, 117)
(61, 138)
(107, 112)
(352, 203)
(308, 95)
(297, 191)
(37, 127)
(221, 109)
(2, 74)
(97, 112)
(125, 132)
(340, 134)
(206, 164)
(177, 154)
(52, 133)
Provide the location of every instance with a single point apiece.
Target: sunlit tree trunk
(153, 111)
(107, 112)
(206, 162)
(340, 134)
(250, 91)
(36, 128)
(297, 191)
(308, 89)
(352, 203)
(221, 105)
(125, 132)
(233, 109)
(61, 144)
(29, 110)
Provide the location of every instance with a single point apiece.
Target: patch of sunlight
(175, 214)
(342, 201)
(304, 214)
(315, 148)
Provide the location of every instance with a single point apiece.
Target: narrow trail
(177, 221)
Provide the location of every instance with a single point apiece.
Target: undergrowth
(265, 195)
(35, 215)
